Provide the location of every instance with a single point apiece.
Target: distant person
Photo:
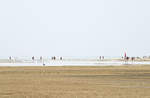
(125, 55)
(41, 58)
(33, 58)
(100, 57)
(54, 58)
(127, 58)
(10, 58)
(103, 57)
(60, 58)
(133, 58)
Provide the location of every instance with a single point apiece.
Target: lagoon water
(71, 63)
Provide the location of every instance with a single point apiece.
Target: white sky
(74, 27)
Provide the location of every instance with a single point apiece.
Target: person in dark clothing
(33, 58)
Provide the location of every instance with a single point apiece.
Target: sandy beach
(75, 82)
(74, 49)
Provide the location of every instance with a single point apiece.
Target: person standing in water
(100, 57)
(60, 58)
(33, 58)
(41, 58)
(103, 57)
(125, 55)
(54, 58)
(10, 59)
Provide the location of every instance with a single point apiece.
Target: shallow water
(73, 63)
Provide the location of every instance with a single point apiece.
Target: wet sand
(75, 82)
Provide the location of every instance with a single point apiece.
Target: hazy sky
(74, 27)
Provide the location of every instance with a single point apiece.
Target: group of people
(41, 58)
(54, 58)
(129, 58)
(101, 57)
(126, 58)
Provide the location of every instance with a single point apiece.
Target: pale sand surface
(75, 82)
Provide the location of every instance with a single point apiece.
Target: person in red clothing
(125, 55)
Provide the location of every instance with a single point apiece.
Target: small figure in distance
(127, 58)
(41, 58)
(100, 57)
(10, 58)
(133, 58)
(60, 58)
(54, 58)
(103, 57)
(33, 58)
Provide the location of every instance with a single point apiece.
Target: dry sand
(75, 82)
